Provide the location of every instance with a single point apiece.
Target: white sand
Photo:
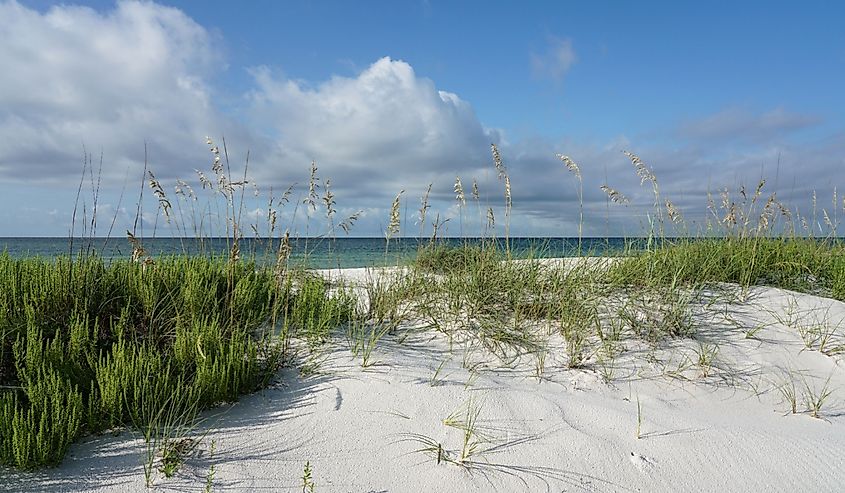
(568, 431)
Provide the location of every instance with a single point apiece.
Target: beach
(433, 411)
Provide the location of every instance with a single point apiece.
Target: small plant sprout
(308, 484)
(606, 367)
(706, 357)
(540, 362)
(465, 418)
(437, 378)
(814, 399)
(751, 332)
(209, 477)
(429, 446)
(787, 391)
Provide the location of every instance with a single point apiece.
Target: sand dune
(723, 426)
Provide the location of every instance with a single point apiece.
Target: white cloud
(110, 81)
(386, 125)
(556, 61)
(142, 72)
(742, 124)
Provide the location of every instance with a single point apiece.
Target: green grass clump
(441, 259)
(800, 264)
(89, 346)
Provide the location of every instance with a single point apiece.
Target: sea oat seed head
(570, 165)
(459, 191)
(614, 195)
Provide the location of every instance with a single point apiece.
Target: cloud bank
(142, 73)
(110, 81)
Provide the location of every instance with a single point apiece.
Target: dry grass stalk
(185, 190)
(328, 200)
(570, 165)
(643, 171)
(614, 195)
(217, 165)
(394, 223)
(283, 255)
(204, 181)
(346, 224)
(475, 194)
(767, 214)
(158, 191)
(508, 200)
(497, 162)
(575, 170)
(286, 196)
(459, 192)
(235, 252)
(312, 197)
(424, 206)
(674, 214)
(138, 251)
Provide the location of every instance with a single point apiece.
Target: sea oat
(283, 255)
(312, 197)
(497, 162)
(217, 164)
(725, 195)
(642, 170)
(182, 188)
(508, 201)
(570, 165)
(759, 189)
(475, 194)
(614, 195)
(328, 200)
(393, 225)
(827, 220)
(711, 206)
(347, 223)
(286, 196)
(205, 182)
(491, 219)
(424, 206)
(767, 214)
(158, 191)
(784, 212)
(271, 219)
(138, 251)
(235, 252)
(459, 192)
(674, 213)
(436, 225)
(730, 218)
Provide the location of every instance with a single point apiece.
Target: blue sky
(709, 94)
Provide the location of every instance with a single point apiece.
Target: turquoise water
(313, 252)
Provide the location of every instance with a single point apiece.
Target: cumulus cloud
(110, 81)
(387, 125)
(145, 73)
(556, 61)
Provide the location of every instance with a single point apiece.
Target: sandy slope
(362, 429)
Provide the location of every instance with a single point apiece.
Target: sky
(390, 96)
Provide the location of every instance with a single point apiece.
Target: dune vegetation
(146, 344)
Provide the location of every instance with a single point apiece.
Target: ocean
(317, 253)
